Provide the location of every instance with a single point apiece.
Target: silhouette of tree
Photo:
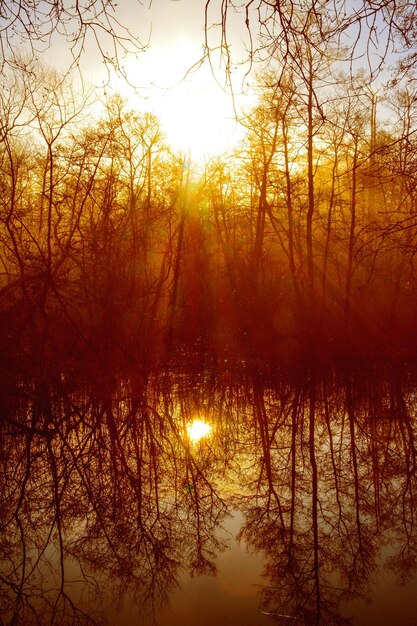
(32, 27)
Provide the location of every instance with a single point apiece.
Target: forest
(299, 245)
(268, 293)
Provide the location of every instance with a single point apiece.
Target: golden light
(196, 115)
(198, 429)
(197, 120)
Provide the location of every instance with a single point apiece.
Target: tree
(29, 211)
(33, 25)
(369, 30)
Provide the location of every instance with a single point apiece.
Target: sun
(198, 429)
(197, 115)
(198, 120)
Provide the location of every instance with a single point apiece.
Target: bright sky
(195, 108)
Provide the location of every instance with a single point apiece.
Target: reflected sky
(229, 598)
(298, 504)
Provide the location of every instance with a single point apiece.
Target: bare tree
(369, 31)
(33, 25)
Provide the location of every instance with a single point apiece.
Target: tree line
(299, 244)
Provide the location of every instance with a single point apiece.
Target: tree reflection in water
(103, 494)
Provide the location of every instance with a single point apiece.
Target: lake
(216, 497)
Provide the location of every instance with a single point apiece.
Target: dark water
(299, 507)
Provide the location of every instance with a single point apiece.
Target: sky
(195, 106)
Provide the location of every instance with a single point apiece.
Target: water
(296, 506)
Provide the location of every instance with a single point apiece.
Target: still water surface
(291, 503)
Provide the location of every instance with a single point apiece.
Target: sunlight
(197, 116)
(197, 429)
(195, 120)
